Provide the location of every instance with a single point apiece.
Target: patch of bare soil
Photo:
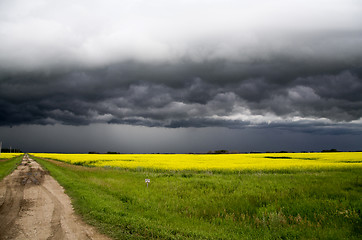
(34, 206)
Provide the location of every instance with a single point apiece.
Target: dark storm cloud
(151, 99)
(234, 64)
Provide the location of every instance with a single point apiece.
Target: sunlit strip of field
(9, 155)
(265, 161)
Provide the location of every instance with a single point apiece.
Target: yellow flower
(238, 162)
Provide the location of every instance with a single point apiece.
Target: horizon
(213, 152)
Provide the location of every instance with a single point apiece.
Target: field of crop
(9, 155)
(211, 197)
(203, 162)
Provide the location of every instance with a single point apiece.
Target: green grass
(8, 165)
(324, 204)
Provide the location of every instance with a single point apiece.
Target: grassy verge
(8, 165)
(206, 205)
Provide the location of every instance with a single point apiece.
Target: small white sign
(147, 181)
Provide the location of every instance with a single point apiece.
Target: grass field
(321, 202)
(8, 162)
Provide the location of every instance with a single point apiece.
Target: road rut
(34, 206)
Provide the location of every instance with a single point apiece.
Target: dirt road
(34, 206)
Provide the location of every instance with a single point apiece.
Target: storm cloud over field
(292, 65)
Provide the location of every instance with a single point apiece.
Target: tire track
(34, 206)
(56, 225)
(11, 205)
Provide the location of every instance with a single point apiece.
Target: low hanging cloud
(172, 64)
(81, 98)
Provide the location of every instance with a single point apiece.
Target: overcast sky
(181, 75)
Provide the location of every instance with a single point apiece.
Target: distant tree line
(93, 152)
(113, 153)
(330, 150)
(8, 150)
(221, 151)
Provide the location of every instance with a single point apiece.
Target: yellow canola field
(264, 161)
(9, 155)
